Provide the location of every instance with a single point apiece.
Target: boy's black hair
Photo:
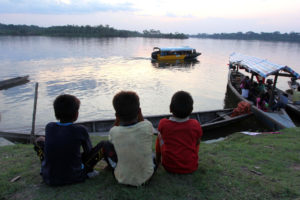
(66, 107)
(181, 104)
(126, 105)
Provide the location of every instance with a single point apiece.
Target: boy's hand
(140, 116)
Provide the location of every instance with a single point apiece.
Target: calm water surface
(95, 69)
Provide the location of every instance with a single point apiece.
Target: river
(95, 69)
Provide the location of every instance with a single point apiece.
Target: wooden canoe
(209, 120)
(5, 84)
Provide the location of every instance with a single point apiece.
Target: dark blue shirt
(63, 164)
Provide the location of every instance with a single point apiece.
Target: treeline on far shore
(107, 31)
(274, 36)
(82, 31)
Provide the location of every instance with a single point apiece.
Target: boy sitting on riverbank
(59, 150)
(177, 144)
(132, 139)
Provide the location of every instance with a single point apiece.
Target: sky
(184, 16)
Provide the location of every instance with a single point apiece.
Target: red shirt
(177, 144)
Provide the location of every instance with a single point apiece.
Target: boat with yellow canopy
(174, 53)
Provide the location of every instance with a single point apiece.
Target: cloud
(60, 6)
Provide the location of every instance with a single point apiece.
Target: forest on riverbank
(274, 36)
(83, 31)
(107, 31)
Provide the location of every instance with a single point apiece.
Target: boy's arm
(199, 136)
(158, 152)
(86, 142)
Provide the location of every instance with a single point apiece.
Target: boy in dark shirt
(59, 150)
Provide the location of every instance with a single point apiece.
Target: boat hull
(212, 122)
(175, 57)
(13, 82)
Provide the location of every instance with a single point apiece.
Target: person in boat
(269, 84)
(132, 138)
(281, 102)
(245, 86)
(261, 87)
(253, 92)
(261, 102)
(244, 82)
(177, 144)
(59, 150)
(294, 83)
(296, 96)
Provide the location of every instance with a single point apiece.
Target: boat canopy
(186, 48)
(262, 67)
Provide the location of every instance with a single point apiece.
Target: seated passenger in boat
(261, 102)
(261, 87)
(244, 82)
(59, 150)
(296, 96)
(245, 86)
(177, 144)
(245, 91)
(294, 83)
(132, 139)
(281, 102)
(253, 92)
(269, 84)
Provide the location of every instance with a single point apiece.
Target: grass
(241, 167)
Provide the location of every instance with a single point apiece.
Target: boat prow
(5, 84)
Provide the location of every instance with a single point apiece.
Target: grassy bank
(240, 167)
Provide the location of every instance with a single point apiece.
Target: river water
(95, 69)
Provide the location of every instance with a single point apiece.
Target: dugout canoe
(209, 120)
(5, 84)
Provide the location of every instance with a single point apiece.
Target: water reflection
(54, 88)
(18, 93)
(174, 63)
(95, 69)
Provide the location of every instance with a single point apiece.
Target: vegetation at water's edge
(275, 36)
(241, 167)
(107, 31)
(83, 31)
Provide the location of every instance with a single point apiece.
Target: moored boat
(262, 69)
(174, 53)
(209, 120)
(5, 84)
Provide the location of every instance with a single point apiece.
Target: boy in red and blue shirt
(177, 144)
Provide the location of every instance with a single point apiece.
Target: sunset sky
(185, 16)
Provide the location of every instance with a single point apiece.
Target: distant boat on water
(174, 53)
